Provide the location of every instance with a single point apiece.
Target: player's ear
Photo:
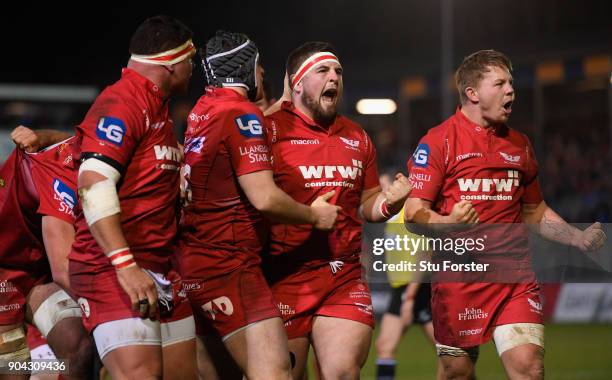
(296, 88)
(471, 94)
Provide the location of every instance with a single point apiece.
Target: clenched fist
(325, 214)
(397, 192)
(464, 213)
(26, 139)
(591, 239)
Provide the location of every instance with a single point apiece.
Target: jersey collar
(477, 128)
(134, 76)
(221, 92)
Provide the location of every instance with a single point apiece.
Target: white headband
(169, 57)
(310, 63)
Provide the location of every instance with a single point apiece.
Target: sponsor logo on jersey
(472, 313)
(470, 332)
(420, 157)
(510, 159)
(418, 180)
(111, 129)
(488, 185)
(221, 304)
(170, 153)
(7, 287)
(9, 307)
(351, 144)
(65, 195)
(194, 144)
(195, 117)
(256, 153)
(346, 178)
(464, 156)
(305, 142)
(249, 126)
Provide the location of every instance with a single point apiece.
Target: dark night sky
(379, 41)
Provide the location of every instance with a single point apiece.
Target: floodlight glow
(376, 106)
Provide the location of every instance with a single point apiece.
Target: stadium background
(54, 63)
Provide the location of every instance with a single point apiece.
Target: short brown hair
(159, 33)
(475, 65)
(303, 52)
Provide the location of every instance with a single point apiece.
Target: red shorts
(318, 291)
(465, 314)
(227, 303)
(102, 299)
(15, 286)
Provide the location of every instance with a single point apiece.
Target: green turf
(573, 352)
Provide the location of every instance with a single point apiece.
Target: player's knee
(529, 367)
(341, 370)
(150, 370)
(269, 373)
(81, 358)
(13, 345)
(458, 372)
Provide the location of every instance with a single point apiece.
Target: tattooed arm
(547, 223)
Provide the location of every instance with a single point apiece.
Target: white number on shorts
(223, 304)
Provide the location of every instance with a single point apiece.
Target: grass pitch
(573, 352)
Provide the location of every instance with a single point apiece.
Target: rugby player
(316, 277)
(128, 183)
(229, 177)
(475, 147)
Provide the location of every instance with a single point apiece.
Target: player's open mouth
(508, 106)
(329, 95)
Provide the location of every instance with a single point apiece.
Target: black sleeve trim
(103, 158)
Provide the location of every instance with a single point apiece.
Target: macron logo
(486, 184)
(328, 171)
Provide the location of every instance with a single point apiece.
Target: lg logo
(220, 304)
(64, 193)
(111, 129)
(421, 155)
(249, 125)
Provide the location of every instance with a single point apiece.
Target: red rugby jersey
(34, 185)
(494, 168)
(129, 123)
(220, 229)
(309, 161)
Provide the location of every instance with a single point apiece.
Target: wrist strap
(121, 258)
(384, 210)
